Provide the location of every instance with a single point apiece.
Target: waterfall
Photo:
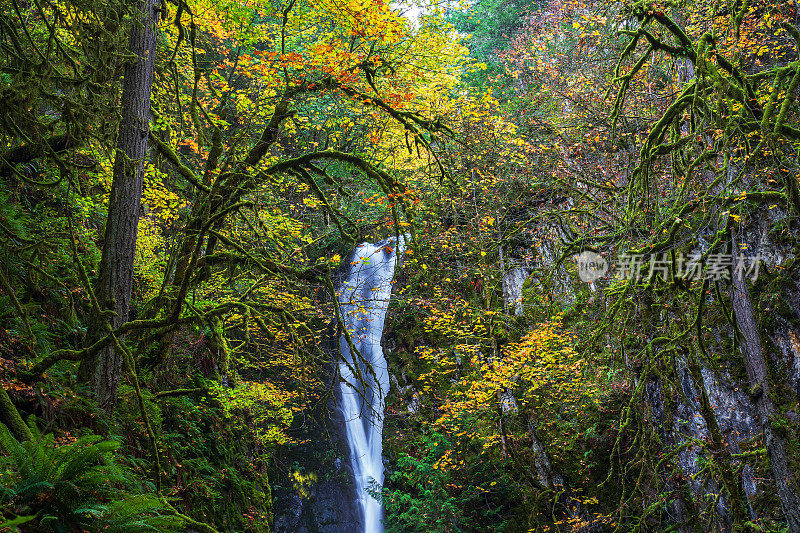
(363, 300)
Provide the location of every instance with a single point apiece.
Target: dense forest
(539, 258)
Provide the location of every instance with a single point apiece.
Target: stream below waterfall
(364, 299)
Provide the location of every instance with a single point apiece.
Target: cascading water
(363, 300)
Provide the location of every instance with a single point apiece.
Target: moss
(129, 417)
(780, 232)
(10, 416)
(219, 469)
(534, 303)
(770, 293)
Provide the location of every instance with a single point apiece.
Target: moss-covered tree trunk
(757, 376)
(11, 417)
(115, 275)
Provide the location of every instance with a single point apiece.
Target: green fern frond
(79, 485)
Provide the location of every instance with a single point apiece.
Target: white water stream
(363, 300)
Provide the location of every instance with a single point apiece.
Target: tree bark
(115, 274)
(12, 419)
(757, 376)
(547, 476)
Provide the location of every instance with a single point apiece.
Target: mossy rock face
(129, 416)
(781, 232)
(220, 467)
(770, 290)
(403, 333)
(534, 302)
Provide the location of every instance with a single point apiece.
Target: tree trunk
(547, 476)
(717, 447)
(756, 366)
(12, 419)
(115, 275)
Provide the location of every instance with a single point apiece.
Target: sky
(409, 10)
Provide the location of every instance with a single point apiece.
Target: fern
(61, 488)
